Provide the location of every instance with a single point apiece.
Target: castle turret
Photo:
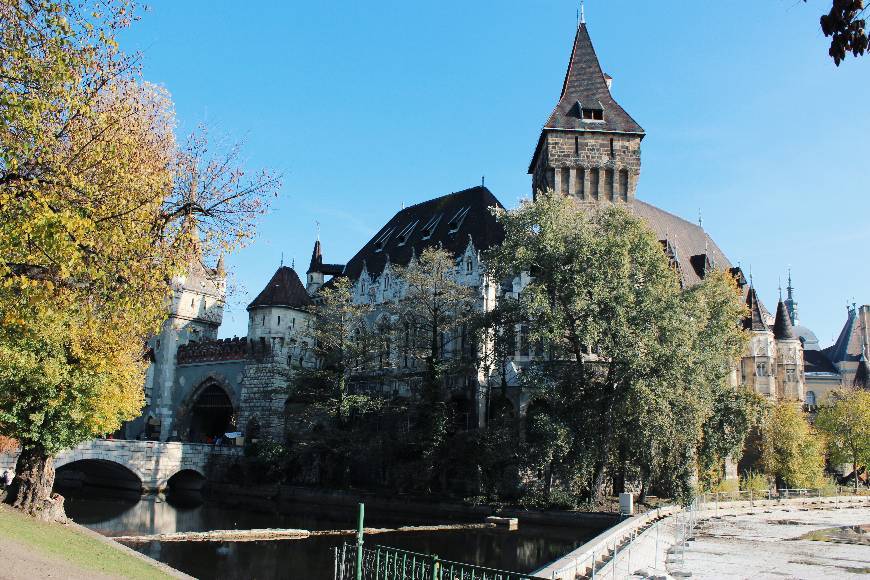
(195, 313)
(789, 357)
(589, 147)
(279, 310)
(317, 270)
(758, 365)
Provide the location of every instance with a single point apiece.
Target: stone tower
(758, 365)
(277, 322)
(590, 147)
(789, 356)
(195, 313)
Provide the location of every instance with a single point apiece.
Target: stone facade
(591, 167)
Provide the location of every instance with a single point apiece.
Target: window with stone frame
(761, 369)
(790, 374)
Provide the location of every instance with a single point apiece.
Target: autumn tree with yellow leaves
(99, 209)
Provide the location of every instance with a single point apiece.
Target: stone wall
(264, 393)
(591, 167)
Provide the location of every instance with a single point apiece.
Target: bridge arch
(90, 467)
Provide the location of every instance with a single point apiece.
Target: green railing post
(436, 568)
(359, 542)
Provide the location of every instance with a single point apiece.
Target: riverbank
(33, 549)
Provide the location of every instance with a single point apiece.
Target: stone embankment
(657, 543)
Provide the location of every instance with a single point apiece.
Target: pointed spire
(782, 327)
(586, 84)
(316, 263)
(219, 269)
(755, 321)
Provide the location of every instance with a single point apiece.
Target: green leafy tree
(341, 343)
(792, 451)
(629, 353)
(434, 312)
(845, 422)
(99, 208)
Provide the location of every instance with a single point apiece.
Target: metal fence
(386, 563)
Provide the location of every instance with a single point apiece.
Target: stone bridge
(153, 462)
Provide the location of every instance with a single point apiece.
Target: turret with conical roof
(782, 326)
(589, 147)
(317, 270)
(278, 308)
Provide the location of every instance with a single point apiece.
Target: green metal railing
(386, 563)
(355, 561)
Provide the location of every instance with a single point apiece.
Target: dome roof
(808, 338)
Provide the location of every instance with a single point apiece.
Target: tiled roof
(688, 241)
(782, 327)
(757, 313)
(850, 343)
(815, 361)
(448, 221)
(284, 289)
(586, 84)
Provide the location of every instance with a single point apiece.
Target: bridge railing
(386, 563)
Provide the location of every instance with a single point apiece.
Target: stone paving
(772, 543)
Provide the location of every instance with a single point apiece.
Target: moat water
(117, 513)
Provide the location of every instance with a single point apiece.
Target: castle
(199, 387)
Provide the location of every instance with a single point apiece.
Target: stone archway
(211, 414)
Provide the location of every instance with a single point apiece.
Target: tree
(628, 352)
(845, 422)
(846, 25)
(432, 315)
(339, 341)
(98, 211)
(792, 451)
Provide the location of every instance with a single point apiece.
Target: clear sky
(364, 106)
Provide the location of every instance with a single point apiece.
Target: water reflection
(119, 514)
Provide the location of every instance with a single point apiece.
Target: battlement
(222, 350)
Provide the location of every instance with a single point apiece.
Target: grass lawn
(66, 543)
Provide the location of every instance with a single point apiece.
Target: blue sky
(364, 106)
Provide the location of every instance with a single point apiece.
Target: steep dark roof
(815, 361)
(782, 326)
(691, 245)
(317, 265)
(449, 220)
(849, 345)
(756, 319)
(586, 84)
(316, 258)
(284, 289)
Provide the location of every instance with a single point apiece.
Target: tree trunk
(855, 472)
(31, 490)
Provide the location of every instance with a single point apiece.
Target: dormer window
(469, 266)
(457, 220)
(593, 114)
(382, 240)
(406, 233)
(430, 226)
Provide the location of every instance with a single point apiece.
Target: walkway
(773, 543)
